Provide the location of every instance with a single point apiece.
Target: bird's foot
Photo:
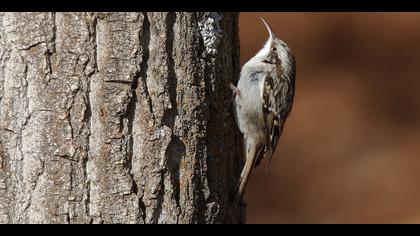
(235, 90)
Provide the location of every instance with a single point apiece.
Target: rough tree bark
(118, 117)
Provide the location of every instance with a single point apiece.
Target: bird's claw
(235, 90)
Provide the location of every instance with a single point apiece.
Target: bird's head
(275, 51)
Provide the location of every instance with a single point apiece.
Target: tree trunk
(118, 118)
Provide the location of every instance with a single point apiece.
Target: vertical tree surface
(118, 117)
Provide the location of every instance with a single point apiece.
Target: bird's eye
(274, 49)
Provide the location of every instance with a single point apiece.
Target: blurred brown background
(350, 151)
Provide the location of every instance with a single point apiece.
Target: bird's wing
(276, 107)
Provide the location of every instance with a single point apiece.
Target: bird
(263, 99)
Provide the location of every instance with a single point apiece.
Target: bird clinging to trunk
(264, 98)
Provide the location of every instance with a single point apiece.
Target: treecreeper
(263, 101)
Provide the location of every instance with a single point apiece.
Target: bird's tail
(246, 172)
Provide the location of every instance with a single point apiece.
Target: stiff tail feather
(246, 172)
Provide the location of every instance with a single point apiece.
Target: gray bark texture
(118, 118)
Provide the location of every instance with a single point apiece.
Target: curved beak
(268, 28)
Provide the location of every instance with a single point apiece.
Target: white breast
(249, 105)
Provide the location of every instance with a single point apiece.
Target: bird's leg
(234, 89)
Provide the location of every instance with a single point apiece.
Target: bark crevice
(176, 148)
(131, 113)
(140, 86)
(145, 41)
(88, 115)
